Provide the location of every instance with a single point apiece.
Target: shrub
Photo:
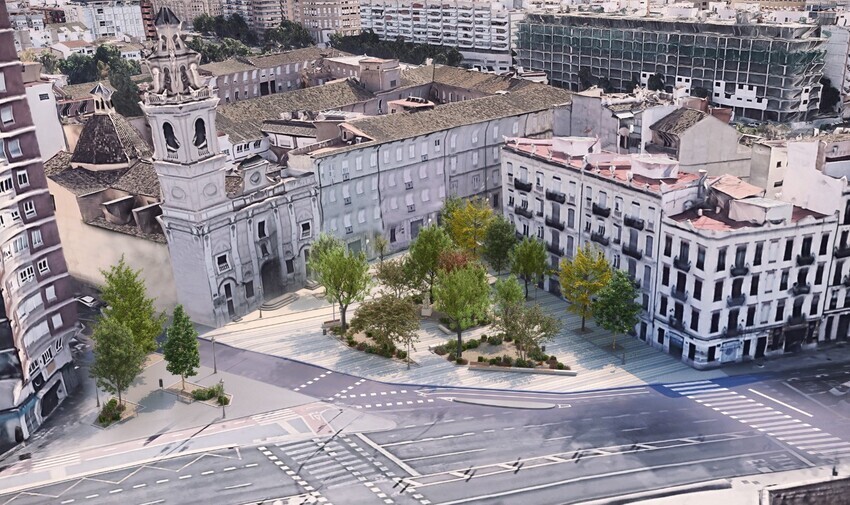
(202, 394)
(484, 337)
(451, 345)
(481, 359)
(507, 360)
(509, 338)
(452, 356)
(223, 400)
(440, 350)
(520, 363)
(494, 361)
(462, 361)
(561, 366)
(337, 330)
(553, 359)
(361, 346)
(471, 344)
(494, 340)
(401, 354)
(418, 299)
(111, 412)
(387, 353)
(370, 349)
(351, 342)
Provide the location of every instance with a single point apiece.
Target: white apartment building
(725, 274)
(322, 18)
(114, 19)
(479, 30)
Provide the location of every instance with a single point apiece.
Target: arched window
(176, 41)
(166, 80)
(171, 142)
(164, 43)
(200, 139)
(184, 78)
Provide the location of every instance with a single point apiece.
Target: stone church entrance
(272, 278)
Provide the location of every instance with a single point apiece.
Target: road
(448, 447)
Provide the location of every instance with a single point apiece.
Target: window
(290, 266)
(665, 276)
(662, 306)
(6, 115)
(754, 285)
(261, 230)
(23, 179)
(783, 280)
(780, 311)
(2, 82)
(824, 244)
(20, 243)
(15, 214)
(721, 259)
(701, 258)
(29, 208)
(26, 275)
(668, 245)
(6, 185)
(305, 229)
(694, 320)
(789, 249)
(539, 179)
(718, 291)
(398, 154)
(35, 238)
(758, 254)
(222, 263)
(47, 356)
(43, 267)
(57, 323)
(649, 246)
(715, 322)
(819, 274)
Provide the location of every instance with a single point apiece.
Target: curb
(506, 404)
(712, 485)
(541, 371)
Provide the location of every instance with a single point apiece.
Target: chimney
(629, 176)
(699, 212)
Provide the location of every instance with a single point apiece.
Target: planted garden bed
(498, 351)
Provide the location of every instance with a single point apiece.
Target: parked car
(840, 390)
(89, 301)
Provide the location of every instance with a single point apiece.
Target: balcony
(558, 225)
(798, 320)
(632, 251)
(522, 186)
(676, 323)
(633, 222)
(801, 289)
(842, 251)
(552, 248)
(739, 270)
(601, 211)
(523, 212)
(736, 300)
(733, 331)
(678, 294)
(681, 264)
(555, 196)
(599, 238)
(804, 260)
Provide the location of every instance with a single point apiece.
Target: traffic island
(114, 413)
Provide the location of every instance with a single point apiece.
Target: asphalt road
(444, 450)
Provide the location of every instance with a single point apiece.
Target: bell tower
(181, 110)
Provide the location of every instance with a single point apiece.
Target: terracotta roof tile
(735, 187)
(678, 121)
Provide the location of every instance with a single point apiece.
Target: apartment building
(479, 30)
(188, 10)
(725, 274)
(40, 315)
(322, 18)
(113, 19)
(762, 71)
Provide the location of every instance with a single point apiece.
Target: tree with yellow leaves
(467, 223)
(582, 278)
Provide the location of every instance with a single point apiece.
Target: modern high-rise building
(322, 18)
(479, 30)
(38, 313)
(110, 18)
(188, 10)
(763, 71)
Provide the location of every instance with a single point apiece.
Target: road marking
(705, 392)
(706, 421)
(229, 468)
(633, 429)
(237, 486)
(153, 502)
(137, 486)
(820, 446)
(558, 438)
(671, 386)
(89, 497)
(817, 436)
(781, 403)
(401, 464)
(66, 501)
(208, 472)
(760, 417)
(162, 481)
(788, 422)
(443, 455)
(252, 465)
(116, 491)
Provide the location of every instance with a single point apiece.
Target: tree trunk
(582, 323)
(526, 287)
(459, 341)
(120, 401)
(408, 355)
(183, 380)
(614, 344)
(342, 309)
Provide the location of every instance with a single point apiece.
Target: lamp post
(215, 367)
(97, 393)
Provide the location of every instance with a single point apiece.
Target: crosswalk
(779, 424)
(328, 462)
(275, 416)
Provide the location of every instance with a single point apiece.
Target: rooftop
(82, 90)
(712, 221)
(678, 121)
(78, 181)
(293, 56)
(228, 66)
(736, 188)
(72, 44)
(295, 128)
(109, 139)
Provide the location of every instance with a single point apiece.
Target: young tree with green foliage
(79, 68)
(529, 260)
(507, 293)
(499, 240)
(126, 96)
(390, 320)
(530, 327)
(128, 303)
(462, 295)
(615, 308)
(382, 246)
(343, 274)
(396, 277)
(324, 243)
(286, 37)
(468, 223)
(425, 254)
(118, 359)
(181, 346)
(582, 278)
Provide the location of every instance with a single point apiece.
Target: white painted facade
(114, 19)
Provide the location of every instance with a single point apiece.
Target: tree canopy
(397, 277)
(656, 82)
(615, 308)
(230, 27)
(343, 274)
(582, 278)
(506, 293)
(118, 359)
(390, 320)
(425, 253)
(127, 303)
(218, 51)
(530, 327)
(367, 42)
(499, 240)
(462, 295)
(289, 35)
(468, 223)
(529, 260)
(181, 346)
(106, 63)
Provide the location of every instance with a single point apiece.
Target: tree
(830, 96)
(615, 308)
(425, 254)
(367, 42)
(118, 359)
(462, 295)
(127, 302)
(126, 96)
(79, 68)
(396, 277)
(452, 259)
(506, 293)
(181, 346)
(468, 223)
(390, 320)
(382, 245)
(499, 240)
(323, 244)
(656, 82)
(528, 260)
(287, 36)
(530, 327)
(343, 274)
(212, 51)
(582, 278)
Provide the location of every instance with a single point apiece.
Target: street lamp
(215, 367)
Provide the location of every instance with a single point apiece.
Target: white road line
(764, 417)
(66, 501)
(671, 386)
(785, 431)
(401, 464)
(781, 403)
(229, 468)
(153, 502)
(237, 486)
(706, 421)
(561, 438)
(707, 392)
(812, 437)
(137, 486)
(162, 481)
(739, 411)
(116, 491)
(443, 455)
(829, 451)
(686, 390)
(788, 422)
(89, 497)
(208, 472)
(723, 403)
(820, 446)
(633, 429)
(715, 396)
(251, 465)
(184, 477)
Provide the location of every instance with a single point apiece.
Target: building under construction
(764, 71)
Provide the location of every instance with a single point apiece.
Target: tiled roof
(75, 43)
(735, 187)
(390, 127)
(78, 181)
(478, 81)
(108, 139)
(83, 89)
(281, 127)
(140, 179)
(243, 120)
(293, 56)
(678, 121)
(228, 66)
(712, 221)
(127, 229)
